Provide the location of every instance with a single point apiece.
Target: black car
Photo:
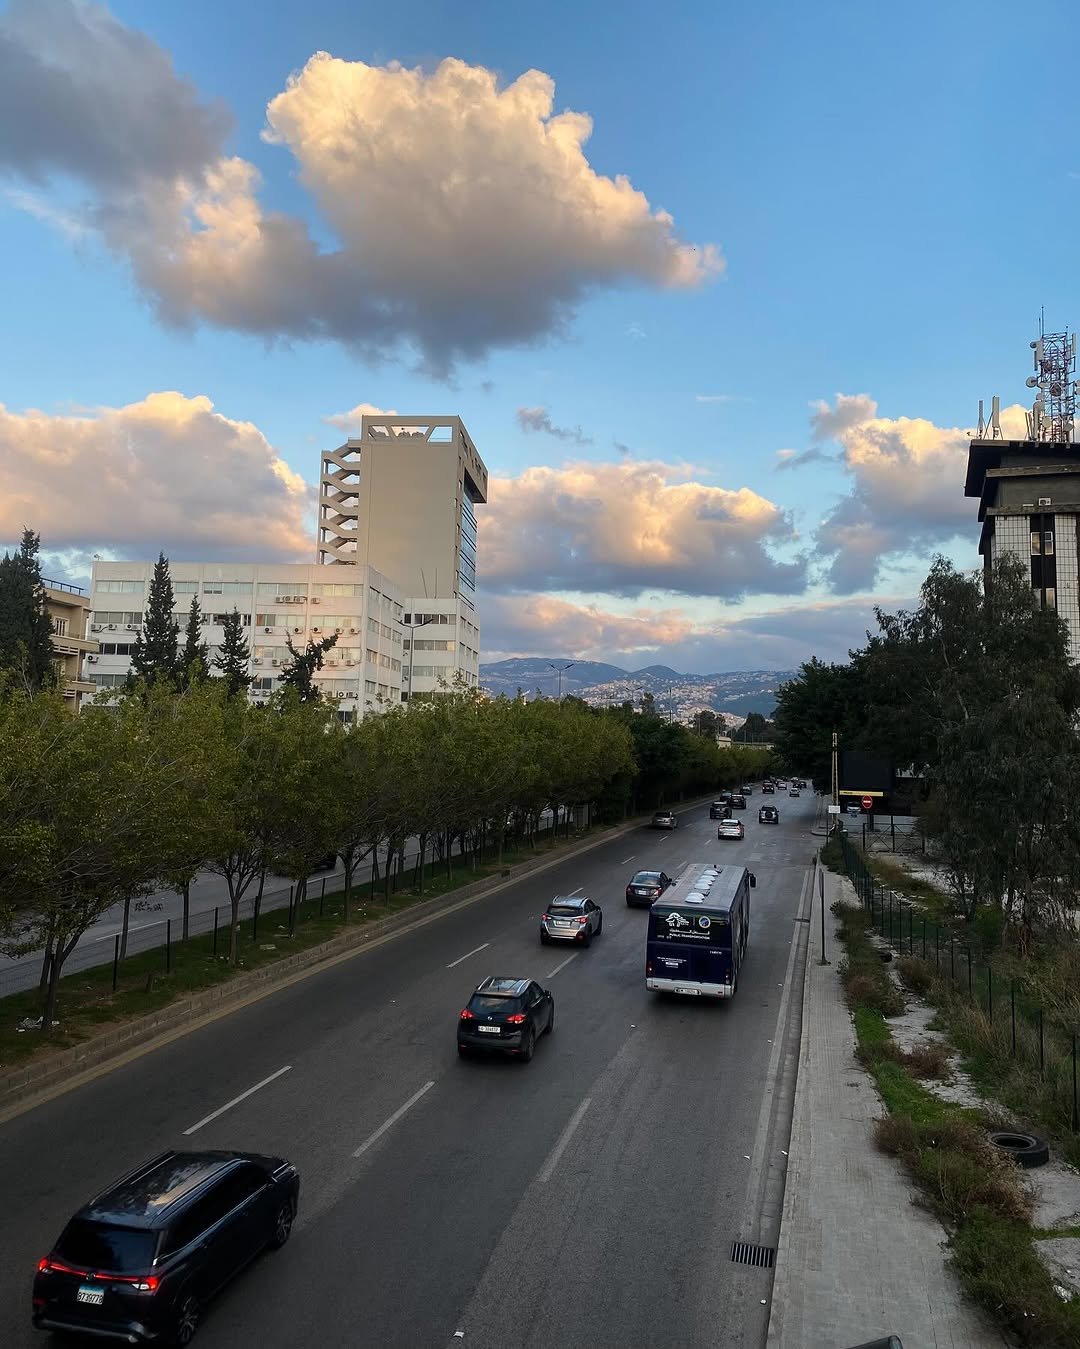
(645, 886)
(718, 807)
(505, 1016)
(139, 1262)
(738, 801)
(768, 815)
(768, 787)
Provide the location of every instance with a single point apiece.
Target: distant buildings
(394, 580)
(73, 646)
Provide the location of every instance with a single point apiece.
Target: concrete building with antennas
(394, 578)
(1029, 490)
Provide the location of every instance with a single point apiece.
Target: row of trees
(974, 689)
(110, 805)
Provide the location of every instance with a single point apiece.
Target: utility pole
(560, 668)
(835, 781)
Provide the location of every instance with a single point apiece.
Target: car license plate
(694, 992)
(488, 1030)
(94, 1296)
(562, 922)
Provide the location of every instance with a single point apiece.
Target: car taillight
(466, 1015)
(545, 917)
(583, 918)
(48, 1266)
(142, 1283)
(517, 1019)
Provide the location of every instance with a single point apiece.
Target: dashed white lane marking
(236, 1100)
(563, 964)
(475, 951)
(389, 1124)
(564, 1138)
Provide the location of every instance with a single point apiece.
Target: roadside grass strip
(975, 1190)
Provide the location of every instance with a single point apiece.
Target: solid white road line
(237, 1099)
(560, 1147)
(475, 951)
(563, 964)
(393, 1119)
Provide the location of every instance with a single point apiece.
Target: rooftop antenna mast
(1053, 414)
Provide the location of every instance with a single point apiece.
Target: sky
(715, 288)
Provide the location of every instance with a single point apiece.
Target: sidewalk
(857, 1260)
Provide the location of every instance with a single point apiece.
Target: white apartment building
(366, 671)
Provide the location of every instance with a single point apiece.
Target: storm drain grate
(746, 1253)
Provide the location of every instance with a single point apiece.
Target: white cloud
(350, 421)
(907, 487)
(627, 527)
(720, 398)
(165, 473)
(467, 214)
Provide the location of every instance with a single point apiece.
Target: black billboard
(863, 773)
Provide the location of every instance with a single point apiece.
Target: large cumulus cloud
(165, 473)
(627, 527)
(466, 214)
(906, 487)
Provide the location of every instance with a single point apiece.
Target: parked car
(768, 815)
(571, 918)
(664, 819)
(738, 801)
(730, 829)
(505, 1016)
(645, 886)
(142, 1260)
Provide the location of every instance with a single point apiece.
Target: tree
(234, 656)
(819, 700)
(194, 665)
(25, 628)
(300, 674)
(154, 653)
(706, 724)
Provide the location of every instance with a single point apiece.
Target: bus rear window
(701, 929)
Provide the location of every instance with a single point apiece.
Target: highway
(589, 1198)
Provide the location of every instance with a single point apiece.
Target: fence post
(971, 977)
(911, 931)
(116, 962)
(255, 919)
(892, 825)
(937, 947)
(1076, 1113)
(1012, 1013)
(990, 993)
(215, 929)
(168, 946)
(1042, 1052)
(952, 960)
(924, 937)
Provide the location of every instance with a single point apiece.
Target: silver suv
(664, 819)
(571, 918)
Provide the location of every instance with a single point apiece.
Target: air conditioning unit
(92, 659)
(350, 662)
(298, 629)
(339, 629)
(268, 629)
(331, 662)
(205, 619)
(95, 627)
(1045, 501)
(316, 629)
(275, 662)
(350, 695)
(132, 627)
(315, 599)
(256, 660)
(110, 627)
(354, 630)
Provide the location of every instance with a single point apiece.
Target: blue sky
(886, 187)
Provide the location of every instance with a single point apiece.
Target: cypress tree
(195, 656)
(25, 626)
(154, 654)
(300, 674)
(233, 658)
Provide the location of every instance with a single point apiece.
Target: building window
(185, 587)
(1042, 543)
(369, 686)
(120, 587)
(395, 665)
(387, 632)
(373, 656)
(59, 626)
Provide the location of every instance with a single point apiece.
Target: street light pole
(560, 668)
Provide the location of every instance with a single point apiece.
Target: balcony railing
(62, 585)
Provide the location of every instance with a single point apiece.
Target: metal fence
(1018, 1027)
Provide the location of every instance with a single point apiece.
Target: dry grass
(918, 975)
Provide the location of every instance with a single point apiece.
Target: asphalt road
(589, 1198)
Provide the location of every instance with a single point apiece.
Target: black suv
(140, 1261)
(505, 1016)
(719, 808)
(738, 801)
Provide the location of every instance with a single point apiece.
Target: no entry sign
(868, 803)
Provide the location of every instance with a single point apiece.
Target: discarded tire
(1025, 1149)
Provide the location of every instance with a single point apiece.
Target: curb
(19, 1086)
(779, 1298)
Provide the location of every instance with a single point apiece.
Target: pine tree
(299, 675)
(233, 658)
(25, 627)
(195, 656)
(154, 654)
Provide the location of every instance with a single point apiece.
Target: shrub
(928, 1060)
(916, 974)
(897, 1135)
(964, 1172)
(880, 994)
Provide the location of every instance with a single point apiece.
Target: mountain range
(732, 694)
